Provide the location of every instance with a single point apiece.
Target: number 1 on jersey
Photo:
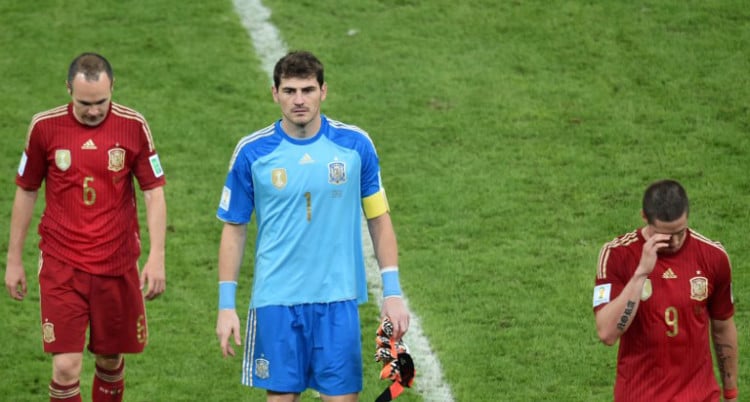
(308, 199)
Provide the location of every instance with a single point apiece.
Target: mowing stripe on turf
(269, 47)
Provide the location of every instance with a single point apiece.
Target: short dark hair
(90, 65)
(298, 64)
(665, 200)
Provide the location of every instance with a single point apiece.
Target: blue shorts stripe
(250, 331)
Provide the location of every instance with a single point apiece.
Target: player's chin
(93, 122)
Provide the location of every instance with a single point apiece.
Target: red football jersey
(665, 354)
(90, 219)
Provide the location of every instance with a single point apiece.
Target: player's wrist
(391, 283)
(227, 293)
(732, 393)
(641, 272)
(14, 258)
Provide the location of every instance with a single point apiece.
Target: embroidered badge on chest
(116, 159)
(278, 178)
(699, 288)
(62, 159)
(337, 172)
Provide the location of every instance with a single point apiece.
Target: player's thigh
(64, 307)
(118, 315)
(276, 354)
(337, 352)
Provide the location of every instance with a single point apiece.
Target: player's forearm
(23, 210)
(231, 251)
(616, 317)
(156, 220)
(383, 240)
(727, 354)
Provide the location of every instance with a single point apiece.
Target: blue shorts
(291, 348)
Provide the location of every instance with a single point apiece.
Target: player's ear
(69, 87)
(643, 215)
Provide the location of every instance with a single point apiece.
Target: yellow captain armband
(375, 205)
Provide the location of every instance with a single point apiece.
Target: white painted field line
(255, 17)
(429, 381)
(270, 48)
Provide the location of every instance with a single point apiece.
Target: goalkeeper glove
(398, 365)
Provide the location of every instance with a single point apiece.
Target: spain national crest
(699, 288)
(48, 332)
(62, 159)
(261, 368)
(116, 159)
(337, 172)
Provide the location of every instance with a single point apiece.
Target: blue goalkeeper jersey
(307, 195)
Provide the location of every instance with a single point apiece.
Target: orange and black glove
(397, 363)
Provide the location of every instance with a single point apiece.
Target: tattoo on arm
(626, 315)
(723, 353)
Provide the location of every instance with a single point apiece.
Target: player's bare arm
(724, 333)
(231, 250)
(23, 210)
(616, 317)
(154, 272)
(386, 252)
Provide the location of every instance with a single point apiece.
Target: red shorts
(72, 299)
